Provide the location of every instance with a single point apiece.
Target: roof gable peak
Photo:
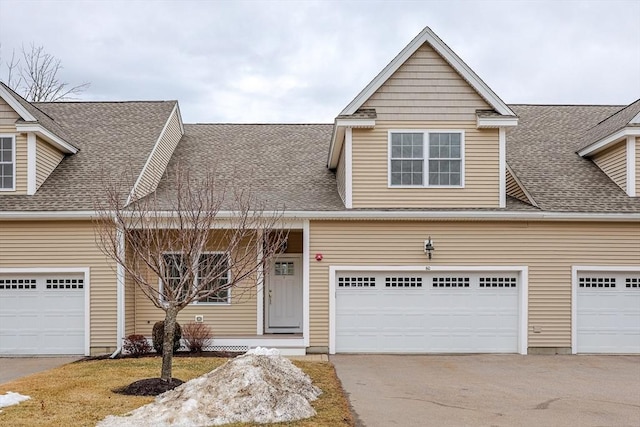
(428, 36)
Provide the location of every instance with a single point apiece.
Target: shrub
(136, 345)
(157, 336)
(196, 336)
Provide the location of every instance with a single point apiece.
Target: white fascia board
(17, 107)
(340, 126)
(51, 138)
(495, 122)
(631, 166)
(294, 219)
(605, 142)
(337, 140)
(356, 123)
(31, 163)
(154, 150)
(635, 120)
(449, 55)
(502, 162)
(39, 215)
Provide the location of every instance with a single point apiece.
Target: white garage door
(42, 314)
(399, 312)
(608, 312)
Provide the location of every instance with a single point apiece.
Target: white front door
(283, 297)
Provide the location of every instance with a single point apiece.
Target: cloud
(304, 61)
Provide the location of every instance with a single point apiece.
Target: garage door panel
(42, 314)
(607, 312)
(428, 312)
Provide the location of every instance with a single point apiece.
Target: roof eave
(426, 35)
(16, 105)
(48, 136)
(496, 122)
(607, 141)
(337, 137)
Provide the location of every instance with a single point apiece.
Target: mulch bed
(149, 387)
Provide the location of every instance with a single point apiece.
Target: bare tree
(174, 240)
(34, 74)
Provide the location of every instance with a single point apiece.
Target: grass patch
(80, 394)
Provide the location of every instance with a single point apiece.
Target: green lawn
(79, 394)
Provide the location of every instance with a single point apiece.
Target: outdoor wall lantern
(428, 247)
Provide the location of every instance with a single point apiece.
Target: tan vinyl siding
(613, 162)
(514, 190)
(426, 87)
(235, 319)
(549, 249)
(38, 244)
(47, 158)
(21, 160)
(160, 156)
(8, 116)
(340, 176)
(370, 170)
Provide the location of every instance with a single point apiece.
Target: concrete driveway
(12, 368)
(492, 390)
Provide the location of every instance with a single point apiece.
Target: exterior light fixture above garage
(428, 247)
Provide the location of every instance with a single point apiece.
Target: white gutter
(363, 215)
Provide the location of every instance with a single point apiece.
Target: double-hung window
(426, 159)
(7, 163)
(212, 267)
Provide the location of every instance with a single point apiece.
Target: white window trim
(13, 157)
(228, 302)
(425, 157)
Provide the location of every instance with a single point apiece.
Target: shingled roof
(285, 166)
(615, 122)
(282, 164)
(113, 138)
(541, 151)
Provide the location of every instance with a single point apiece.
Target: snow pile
(260, 386)
(262, 351)
(11, 398)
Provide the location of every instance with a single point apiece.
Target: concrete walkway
(12, 368)
(492, 390)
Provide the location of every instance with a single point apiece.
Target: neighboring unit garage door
(400, 312)
(42, 314)
(608, 312)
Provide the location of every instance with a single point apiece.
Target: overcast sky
(304, 61)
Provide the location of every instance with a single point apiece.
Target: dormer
(426, 132)
(614, 145)
(32, 144)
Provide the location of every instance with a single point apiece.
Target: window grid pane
(407, 159)
(6, 163)
(445, 161)
(219, 263)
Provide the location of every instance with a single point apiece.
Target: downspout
(119, 293)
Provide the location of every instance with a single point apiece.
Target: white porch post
(305, 282)
(260, 285)
(120, 320)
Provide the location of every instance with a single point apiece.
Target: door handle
(269, 296)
